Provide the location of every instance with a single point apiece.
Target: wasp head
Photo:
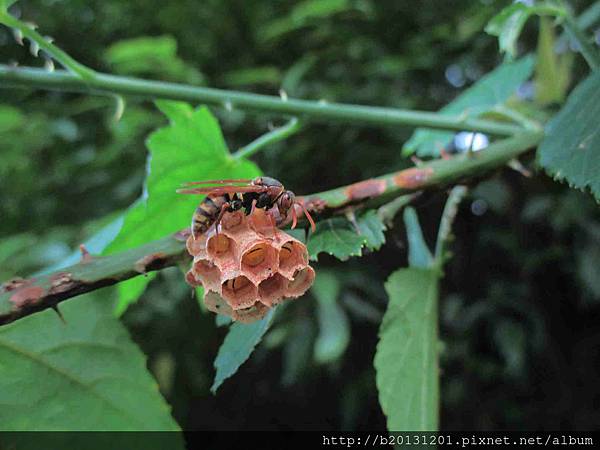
(285, 201)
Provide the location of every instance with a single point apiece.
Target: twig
(27, 30)
(450, 209)
(22, 297)
(440, 172)
(303, 109)
(276, 135)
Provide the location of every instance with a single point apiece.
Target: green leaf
(372, 228)
(419, 254)
(10, 118)
(509, 22)
(406, 360)
(492, 90)
(238, 346)
(571, 148)
(339, 238)
(301, 14)
(85, 374)
(252, 75)
(335, 237)
(190, 148)
(151, 55)
(334, 327)
(5, 4)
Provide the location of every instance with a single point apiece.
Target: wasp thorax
(248, 266)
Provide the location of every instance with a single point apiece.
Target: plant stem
(78, 69)
(46, 291)
(450, 209)
(276, 135)
(434, 174)
(313, 110)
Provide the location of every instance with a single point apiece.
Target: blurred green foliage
(520, 299)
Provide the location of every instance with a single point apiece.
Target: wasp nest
(249, 266)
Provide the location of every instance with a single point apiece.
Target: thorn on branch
(515, 164)
(34, 49)
(150, 262)
(18, 36)
(351, 216)
(48, 64)
(86, 256)
(57, 311)
(416, 160)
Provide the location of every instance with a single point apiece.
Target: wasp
(242, 194)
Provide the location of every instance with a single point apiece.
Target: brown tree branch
(22, 297)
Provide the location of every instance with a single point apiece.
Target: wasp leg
(294, 217)
(224, 208)
(313, 227)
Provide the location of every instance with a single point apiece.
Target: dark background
(520, 299)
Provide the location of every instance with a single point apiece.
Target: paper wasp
(235, 194)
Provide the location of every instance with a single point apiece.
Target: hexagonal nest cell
(248, 266)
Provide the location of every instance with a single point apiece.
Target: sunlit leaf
(491, 90)
(334, 327)
(238, 346)
(338, 237)
(85, 374)
(190, 148)
(509, 22)
(406, 356)
(571, 148)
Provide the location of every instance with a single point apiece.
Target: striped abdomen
(207, 212)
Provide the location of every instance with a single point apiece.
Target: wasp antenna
(313, 227)
(294, 218)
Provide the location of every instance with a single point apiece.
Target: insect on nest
(245, 263)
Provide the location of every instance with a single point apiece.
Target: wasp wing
(243, 181)
(220, 190)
